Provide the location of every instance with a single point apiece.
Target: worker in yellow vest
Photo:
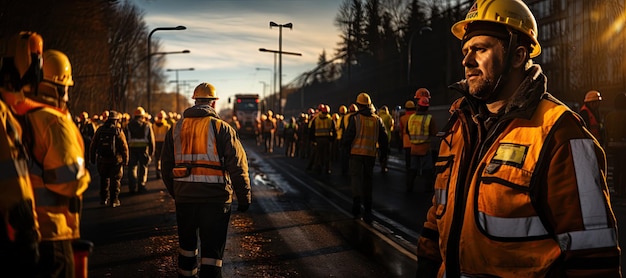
(365, 130)
(421, 130)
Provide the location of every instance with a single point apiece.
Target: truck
(246, 108)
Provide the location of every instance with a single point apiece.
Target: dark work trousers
(157, 158)
(361, 172)
(110, 179)
(268, 139)
(138, 169)
(407, 158)
(322, 155)
(56, 259)
(210, 222)
(344, 157)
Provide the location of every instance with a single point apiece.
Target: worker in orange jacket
(521, 188)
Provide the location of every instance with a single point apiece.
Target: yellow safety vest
(138, 142)
(323, 125)
(160, 131)
(366, 138)
(419, 125)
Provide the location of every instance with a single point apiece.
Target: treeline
(106, 43)
(388, 49)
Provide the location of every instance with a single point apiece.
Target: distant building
(582, 46)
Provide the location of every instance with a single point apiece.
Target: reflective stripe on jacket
(418, 128)
(367, 129)
(58, 172)
(195, 146)
(516, 212)
(138, 142)
(194, 131)
(323, 125)
(201, 140)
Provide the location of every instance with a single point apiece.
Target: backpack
(106, 142)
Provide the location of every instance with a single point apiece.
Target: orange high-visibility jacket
(527, 198)
(203, 160)
(57, 171)
(14, 180)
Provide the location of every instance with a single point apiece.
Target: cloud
(224, 37)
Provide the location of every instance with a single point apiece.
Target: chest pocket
(504, 207)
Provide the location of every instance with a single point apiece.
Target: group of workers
(139, 141)
(43, 172)
(520, 185)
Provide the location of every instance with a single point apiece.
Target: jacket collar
(522, 104)
(200, 110)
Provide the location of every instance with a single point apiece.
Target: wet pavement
(299, 225)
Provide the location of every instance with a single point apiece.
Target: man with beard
(521, 188)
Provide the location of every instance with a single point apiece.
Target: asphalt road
(298, 226)
(282, 235)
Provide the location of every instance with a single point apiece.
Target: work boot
(116, 203)
(105, 201)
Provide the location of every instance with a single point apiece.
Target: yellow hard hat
(510, 13)
(204, 90)
(409, 104)
(57, 68)
(343, 109)
(592, 95)
(363, 99)
(139, 111)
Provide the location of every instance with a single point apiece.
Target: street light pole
(408, 71)
(280, 61)
(279, 52)
(263, 103)
(132, 67)
(177, 87)
(148, 87)
(272, 80)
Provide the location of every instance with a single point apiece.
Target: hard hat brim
(458, 30)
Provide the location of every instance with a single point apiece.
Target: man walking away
(109, 150)
(203, 163)
(364, 130)
(141, 145)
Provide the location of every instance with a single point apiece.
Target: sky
(224, 37)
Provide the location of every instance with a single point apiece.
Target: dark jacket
(121, 146)
(234, 159)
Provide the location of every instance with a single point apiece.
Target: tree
(127, 42)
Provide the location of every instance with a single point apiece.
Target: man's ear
(519, 57)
